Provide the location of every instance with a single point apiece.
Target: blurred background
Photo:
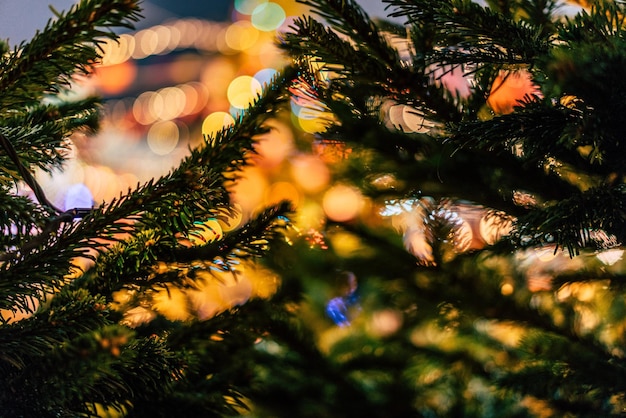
(188, 69)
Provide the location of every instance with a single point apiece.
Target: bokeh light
(242, 91)
(78, 196)
(241, 35)
(215, 122)
(250, 189)
(268, 16)
(205, 232)
(265, 75)
(509, 89)
(282, 190)
(117, 52)
(163, 137)
(342, 203)
(173, 103)
(273, 147)
(114, 79)
(246, 7)
(310, 172)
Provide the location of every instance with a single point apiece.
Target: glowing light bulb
(342, 203)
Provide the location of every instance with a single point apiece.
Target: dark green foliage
(435, 321)
(485, 328)
(72, 355)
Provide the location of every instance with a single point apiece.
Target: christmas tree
(481, 275)
(468, 263)
(78, 336)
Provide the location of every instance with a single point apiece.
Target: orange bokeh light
(310, 172)
(509, 88)
(114, 79)
(342, 203)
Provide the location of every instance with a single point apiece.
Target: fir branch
(347, 17)
(69, 314)
(100, 363)
(358, 74)
(20, 219)
(251, 240)
(560, 367)
(604, 22)
(356, 71)
(541, 13)
(66, 46)
(26, 175)
(105, 367)
(40, 264)
(538, 133)
(471, 34)
(569, 223)
(39, 134)
(340, 56)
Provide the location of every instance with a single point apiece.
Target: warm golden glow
(163, 137)
(215, 122)
(342, 203)
(509, 88)
(310, 172)
(242, 91)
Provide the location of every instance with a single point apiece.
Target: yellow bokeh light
(345, 243)
(191, 99)
(309, 215)
(141, 109)
(233, 220)
(249, 189)
(103, 183)
(241, 35)
(546, 253)
(196, 97)
(507, 289)
(186, 32)
(342, 203)
(171, 303)
(215, 122)
(118, 52)
(385, 322)
(205, 232)
(280, 191)
(271, 56)
(274, 146)
(312, 125)
(146, 42)
(174, 38)
(162, 35)
(163, 137)
(216, 76)
(413, 121)
(242, 91)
